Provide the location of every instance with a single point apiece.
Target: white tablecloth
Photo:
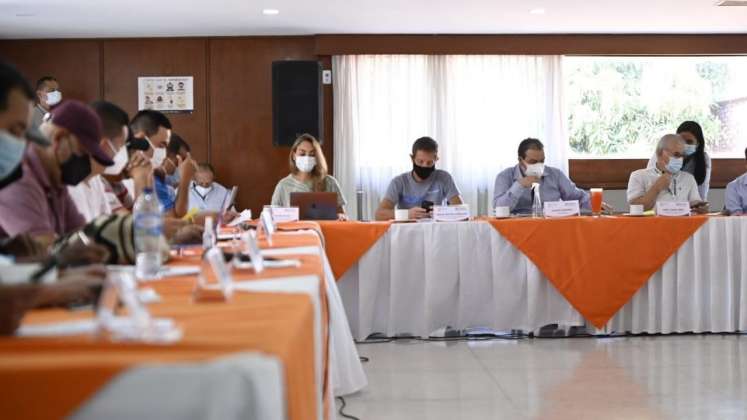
(420, 277)
(245, 386)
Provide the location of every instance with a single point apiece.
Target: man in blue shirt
(513, 186)
(736, 195)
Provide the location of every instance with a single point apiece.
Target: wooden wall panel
(614, 173)
(75, 64)
(533, 44)
(125, 60)
(241, 113)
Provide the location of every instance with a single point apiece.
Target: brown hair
(319, 173)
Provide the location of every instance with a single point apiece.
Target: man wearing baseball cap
(38, 203)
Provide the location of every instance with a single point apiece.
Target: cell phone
(700, 204)
(228, 256)
(427, 205)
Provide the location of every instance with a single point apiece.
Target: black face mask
(423, 172)
(12, 177)
(75, 169)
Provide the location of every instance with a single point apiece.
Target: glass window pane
(618, 107)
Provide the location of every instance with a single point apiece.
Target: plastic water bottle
(208, 235)
(537, 210)
(148, 224)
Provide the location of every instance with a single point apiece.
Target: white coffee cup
(401, 215)
(636, 209)
(502, 211)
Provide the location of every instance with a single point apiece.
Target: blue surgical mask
(674, 165)
(690, 149)
(173, 180)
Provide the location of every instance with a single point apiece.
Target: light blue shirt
(554, 186)
(736, 196)
(212, 201)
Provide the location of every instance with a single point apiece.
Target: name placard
(672, 208)
(561, 208)
(455, 213)
(284, 214)
(221, 270)
(251, 248)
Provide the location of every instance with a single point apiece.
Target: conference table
(280, 348)
(610, 274)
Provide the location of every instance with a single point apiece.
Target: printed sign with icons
(166, 93)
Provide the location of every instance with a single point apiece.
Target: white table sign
(455, 213)
(284, 214)
(166, 93)
(251, 248)
(221, 270)
(672, 208)
(561, 208)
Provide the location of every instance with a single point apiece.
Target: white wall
(618, 200)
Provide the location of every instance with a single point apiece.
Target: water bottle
(148, 224)
(537, 210)
(208, 235)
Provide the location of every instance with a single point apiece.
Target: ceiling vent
(731, 3)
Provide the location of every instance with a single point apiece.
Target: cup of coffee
(636, 209)
(401, 215)
(502, 212)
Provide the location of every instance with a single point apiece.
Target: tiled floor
(670, 377)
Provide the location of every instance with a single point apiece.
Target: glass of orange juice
(596, 201)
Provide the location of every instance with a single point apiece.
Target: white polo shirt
(90, 198)
(682, 188)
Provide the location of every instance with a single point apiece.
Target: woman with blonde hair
(308, 174)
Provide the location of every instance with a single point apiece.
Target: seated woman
(697, 161)
(308, 174)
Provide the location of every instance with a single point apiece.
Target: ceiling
(153, 18)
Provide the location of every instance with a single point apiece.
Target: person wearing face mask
(206, 195)
(94, 196)
(177, 150)
(513, 186)
(697, 161)
(736, 195)
(666, 181)
(39, 203)
(424, 184)
(308, 174)
(48, 94)
(155, 128)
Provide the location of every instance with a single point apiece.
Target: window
(618, 107)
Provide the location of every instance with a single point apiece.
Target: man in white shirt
(665, 181)
(205, 194)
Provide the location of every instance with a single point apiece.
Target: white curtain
(478, 108)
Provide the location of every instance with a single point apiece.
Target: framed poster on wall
(166, 93)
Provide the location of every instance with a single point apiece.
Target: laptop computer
(315, 205)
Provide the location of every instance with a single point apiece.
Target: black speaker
(296, 101)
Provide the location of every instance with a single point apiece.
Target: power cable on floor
(342, 407)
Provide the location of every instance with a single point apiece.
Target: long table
(281, 348)
(613, 274)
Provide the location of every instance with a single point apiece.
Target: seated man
(206, 194)
(665, 181)
(736, 195)
(513, 186)
(423, 184)
(48, 94)
(39, 203)
(177, 151)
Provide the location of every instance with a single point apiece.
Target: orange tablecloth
(598, 264)
(346, 242)
(50, 378)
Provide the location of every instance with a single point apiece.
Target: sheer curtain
(477, 107)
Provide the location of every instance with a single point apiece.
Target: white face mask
(535, 169)
(159, 155)
(120, 161)
(203, 191)
(53, 98)
(305, 163)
